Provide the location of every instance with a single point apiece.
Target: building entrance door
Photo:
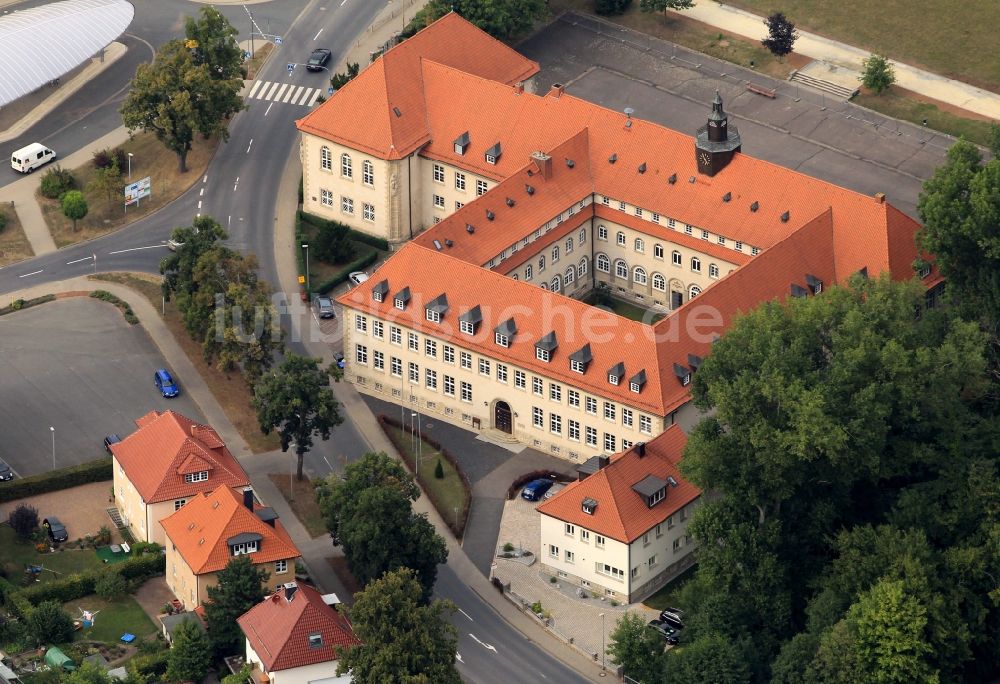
(502, 417)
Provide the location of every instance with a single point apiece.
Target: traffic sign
(277, 40)
(302, 280)
(329, 91)
(246, 54)
(291, 68)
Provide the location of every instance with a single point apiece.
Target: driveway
(81, 509)
(74, 364)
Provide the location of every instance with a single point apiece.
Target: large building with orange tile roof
(520, 206)
(213, 528)
(292, 637)
(620, 530)
(167, 461)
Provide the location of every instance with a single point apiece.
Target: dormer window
(433, 316)
(470, 320)
(248, 542)
(501, 340)
(503, 333)
(635, 387)
(652, 489)
(616, 373)
(467, 327)
(545, 347)
(380, 291)
(462, 143)
(542, 354)
(402, 299)
(636, 382)
(437, 308)
(579, 359)
(814, 283)
(315, 640)
(200, 476)
(377, 296)
(577, 366)
(493, 154)
(658, 496)
(613, 379)
(683, 374)
(589, 506)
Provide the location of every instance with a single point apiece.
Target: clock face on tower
(704, 159)
(713, 124)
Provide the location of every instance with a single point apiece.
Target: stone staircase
(827, 87)
(116, 517)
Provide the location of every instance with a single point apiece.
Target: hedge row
(357, 235)
(18, 304)
(359, 264)
(78, 585)
(458, 528)
(122, 305)
(149, 667)
(64, 478)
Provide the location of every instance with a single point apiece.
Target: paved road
(55, 370)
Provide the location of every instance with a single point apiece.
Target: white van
(29, 158)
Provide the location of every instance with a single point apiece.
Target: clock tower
(717, 141)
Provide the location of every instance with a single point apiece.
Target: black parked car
(318, 59)
(673, 617)
(56, 530)
(669, 634)
(5, 472)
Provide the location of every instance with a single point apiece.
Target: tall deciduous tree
(108, 181)
(240, 587)
(295, 399)
(176, 98)
(373, 501)
(781, 34)
(664, 5)
(711, 659)
(190, 654)
(611, 7)
(213, 43)
(499, 18)
(402, 639)
(74, 206)
(88, 673)
(637, 648)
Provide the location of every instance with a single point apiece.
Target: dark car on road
(109, 440)
(318, 59)
(55, 529)
(165, 383)
(5, 472)
(323, 306)
(669, 634)
(535, 490)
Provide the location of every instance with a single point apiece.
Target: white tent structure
(41, 44)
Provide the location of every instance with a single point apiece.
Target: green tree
(74, 206)
(339, 80)
(24, 520)
(176, 98)
(213, 44)
(500, 18)
(240, 587)
(664, 5)
(636, 647)
(332, 243)
(48, 623)
(781, 34)
(402, 639)
(611, 7)
(373, 501)
(994, 140)
(877, 73)
(108, 181)
(88, 673)
(178, 270)
(240, 676)
(710, 659)
(296, 401)
(111, 585)
(190, 654)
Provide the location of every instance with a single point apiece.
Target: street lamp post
(53, 431)
(602, 641)
(418, 452)
(130, 166)
(306, 248)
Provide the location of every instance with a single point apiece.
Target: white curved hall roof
(41, 44)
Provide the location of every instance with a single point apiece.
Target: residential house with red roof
(620, 530)
(213, 528)
(166, 462)
(292, 637)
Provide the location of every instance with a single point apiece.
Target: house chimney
(880, 197)
(290, 589)
(602, 462)
(544, 164)
(640, 449)
(519, 88)
(248, 498)
(556, 90)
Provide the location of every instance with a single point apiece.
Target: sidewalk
(909, 77)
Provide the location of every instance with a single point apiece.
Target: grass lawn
(229, 389)
(321, 271)
(260, 55)
(14, 245)
(692, 34)
(948, 38)
(667, 596)
(627, 310)
(16, 554)
(151, 159)
(447, 494)
(113, 618)
(302, 499)
(891, 103)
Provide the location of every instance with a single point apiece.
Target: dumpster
(58, 660)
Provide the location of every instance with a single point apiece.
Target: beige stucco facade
(320, 673)
(192, 589)
(620, 571)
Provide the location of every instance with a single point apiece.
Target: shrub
(3, 220)
(609, 7)
(878, 73)
(508, 547)
(18, 304)
(139, 548)
(356, 265)
(332, 243)
(110, 586)
(536, 607)
(78, 585)
(148, 668)
(64, 478)
(552, 580)
(56, 182)
(50, 624)
(376, 242)
(106, 157)
(439, 470)
(24, 520)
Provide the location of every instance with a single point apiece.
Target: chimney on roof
(248, 498)
(290, 589)
(640, 449)
(519, 88)
(556, 90)
(880, 197)
(544, 164)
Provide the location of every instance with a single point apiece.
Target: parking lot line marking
(136, 249)
(32, 273)
(76, 261)
(316, 37)
(254, 89)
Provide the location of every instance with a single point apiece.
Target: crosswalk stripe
(276, 91)
(306, 92)
(288, 94)
(256, 84)
(281, 91)
(270, 91)
(312, 100)
(293, 96)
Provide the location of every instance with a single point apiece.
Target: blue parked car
(165, 383)
(535, 490)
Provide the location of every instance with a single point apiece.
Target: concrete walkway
(923, 82)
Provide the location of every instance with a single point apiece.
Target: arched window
(514, 276)
(603, 263)
(659, 282)
(569, 245)
(583, 235)
(621, 269)
(581, 270)
(694, 291)
(639, 275)
(713, 271)
(345, 166)
(675, 258)
(555, 253)
(544, 286)
(620, 238)
(325, 158)
(639, 245)
(570, 276)
(696, 264)
(527, 272)
(541, 263)
(368, 173)
(556, 284)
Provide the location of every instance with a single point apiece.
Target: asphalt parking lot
(799, 129)
(75, 365)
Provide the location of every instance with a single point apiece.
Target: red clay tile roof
(165, 448)
(278, 629)
(394, 83)
(201, 528)
(622, 513)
